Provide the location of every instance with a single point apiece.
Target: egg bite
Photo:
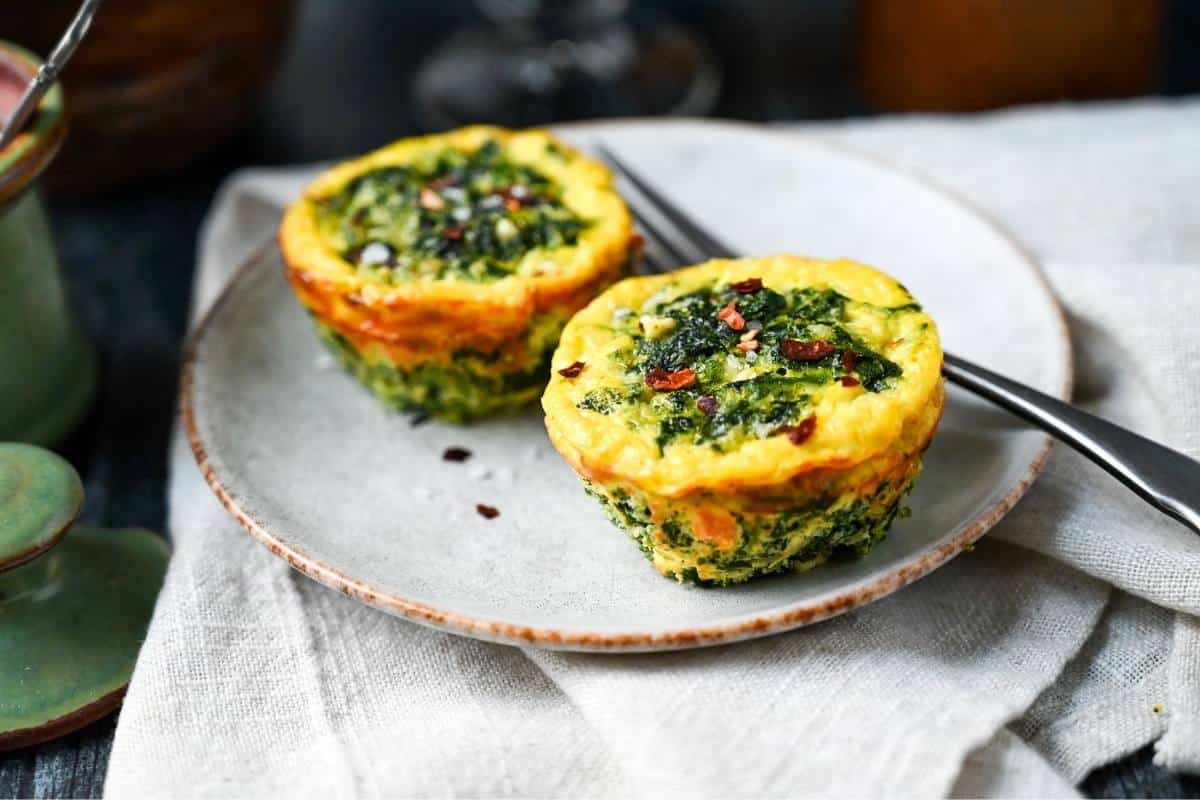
(744, 417)
(440, 270)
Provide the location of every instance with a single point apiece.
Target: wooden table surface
(129, 258)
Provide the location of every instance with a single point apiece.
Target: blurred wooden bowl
(155, 84)
(952, 55)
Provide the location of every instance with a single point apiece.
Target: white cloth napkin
(1069, 637)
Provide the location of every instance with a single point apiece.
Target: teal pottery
(47, 369)
(74, 605)
(71, 625)
(40, 496)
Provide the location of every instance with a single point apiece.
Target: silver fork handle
(1166, 479)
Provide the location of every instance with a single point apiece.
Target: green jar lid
(71, 625)
(40, 496)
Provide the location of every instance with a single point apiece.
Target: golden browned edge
(569, 640)
(26, 556)
(65, 724)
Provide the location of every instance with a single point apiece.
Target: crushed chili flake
(730, 316)
(636, 241)
(849, 360)
(456, 454)
(429, 199)
(660, 380)
(849, 381)
(748, 286)
(805, 351)
(707, 404)
(572, 370)
(799, 434)
(512, 205)
(452, 233)
(486, 511)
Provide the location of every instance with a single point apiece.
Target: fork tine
(655, 235)
(651, 259)
(699, 238)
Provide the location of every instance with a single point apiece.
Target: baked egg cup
(440, 270)
(744, 417)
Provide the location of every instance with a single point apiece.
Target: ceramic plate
(361, 500)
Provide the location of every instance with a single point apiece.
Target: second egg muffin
(742, 417)
(441, 269)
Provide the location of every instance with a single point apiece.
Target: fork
(1164, 478)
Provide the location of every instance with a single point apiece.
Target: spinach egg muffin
(743, 417)
(440, 270)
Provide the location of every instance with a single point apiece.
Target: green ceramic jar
(47, 369)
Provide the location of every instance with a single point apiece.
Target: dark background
(342, 87)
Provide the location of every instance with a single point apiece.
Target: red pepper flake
(748, 286)
(452, 233)
(660, 380)
(487, 512)
(849, 360)
(800, 433)
(849, 381)
(573, 370)
(707, 404)
(456, 454)
(512, 205)
(805, 351)
(442, 182)
(730, 316)
(636, 242)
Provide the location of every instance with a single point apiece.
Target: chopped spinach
(749, 390)
(468, 215)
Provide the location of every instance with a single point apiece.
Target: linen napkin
(1069, 637)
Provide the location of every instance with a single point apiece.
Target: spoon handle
(48, 73)
(1165, 478)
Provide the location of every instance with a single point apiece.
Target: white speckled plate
(362, 501)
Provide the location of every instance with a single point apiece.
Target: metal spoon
(48, 73)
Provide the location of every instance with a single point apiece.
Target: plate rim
(791, 616)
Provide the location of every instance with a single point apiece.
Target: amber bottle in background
(969, 55)
(156, 84)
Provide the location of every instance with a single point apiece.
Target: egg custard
(742, 417)
(440, 270)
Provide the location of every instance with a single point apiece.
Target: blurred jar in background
(969, 55)
(155, 84)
